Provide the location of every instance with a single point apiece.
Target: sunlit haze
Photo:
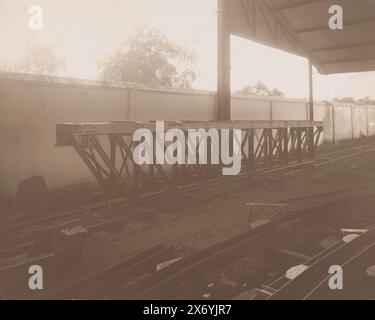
(83, 32)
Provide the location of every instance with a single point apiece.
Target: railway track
(205, 275)
(122, 202)
(116, 222)
(147, 286)
(137, 277)
(209, 268)
(313, 283)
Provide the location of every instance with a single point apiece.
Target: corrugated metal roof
(301, 27)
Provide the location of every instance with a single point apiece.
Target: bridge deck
(127, 128)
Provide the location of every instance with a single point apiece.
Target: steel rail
(163, 284)
(309, 281)
(116, 222)
(121, 201)
(108, 279)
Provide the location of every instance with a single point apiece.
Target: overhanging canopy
(301, 27)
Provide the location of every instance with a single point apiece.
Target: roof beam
(286, 27)
(343, 47)
(251, 22)
(346, 61)
(264, 16)
(296, 5)
(326, 27)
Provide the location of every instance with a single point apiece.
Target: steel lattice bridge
(107, 150)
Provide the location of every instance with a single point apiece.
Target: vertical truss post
(311, 109)
(270, 148)
(112, 153)
(113, 146)
(151, 167)
(279, 145)
(285, 146)
(136, 169)
(299, 144)
(266, 147)
(251, 155)
(209, 158)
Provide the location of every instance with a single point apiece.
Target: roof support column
(311, 92)
(223, 76)
(311, 108)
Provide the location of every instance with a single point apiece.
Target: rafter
(344, 47)
(346, 25)
(347, 61)
(297, 5)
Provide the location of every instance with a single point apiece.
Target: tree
(149, 57)
(345, 100)
(366, 101)
(277, 93)
(260, 89)
(38, 60)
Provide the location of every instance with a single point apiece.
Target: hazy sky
(83, 32)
